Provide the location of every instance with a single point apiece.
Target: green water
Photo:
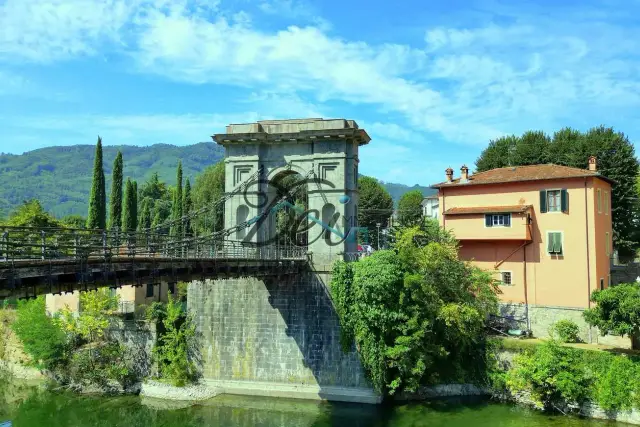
(30, 407)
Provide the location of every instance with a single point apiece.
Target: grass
(523, 344)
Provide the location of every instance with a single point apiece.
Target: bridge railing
(25, 243)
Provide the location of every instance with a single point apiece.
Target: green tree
(157, 194)
(616, 311)
(416, 313)
(209, 187)
(41, 338)
(410, 209)
(145, 219)
(497, 154)
(615, 157)
(31, 214)
(176, 217)
(128, 211)
(115, 221)
(187, 206)
(174, 347)
(98, 198)
(134, 204)
(74, 221)
(532, 148)
(375, 205)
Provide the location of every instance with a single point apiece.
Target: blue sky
(432, 82)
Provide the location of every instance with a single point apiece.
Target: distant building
(430, 206)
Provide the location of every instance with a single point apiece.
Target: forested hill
(60, 177)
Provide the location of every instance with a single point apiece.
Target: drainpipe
(444, 219)
(586, 216)
(524, 262)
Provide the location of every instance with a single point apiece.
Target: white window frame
(497, 225)
(559, 190)
(599, 199)
(561, 241)
(510, 277)
(606, 202)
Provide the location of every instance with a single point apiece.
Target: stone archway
(323, 151)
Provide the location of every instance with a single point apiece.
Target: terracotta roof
(487, 209)
(523, 173)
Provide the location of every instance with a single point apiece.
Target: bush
(416, 313)
(100, 365)
(172, 352)
(566, 331)
(42, 339)
(558, 376)
(552, 374)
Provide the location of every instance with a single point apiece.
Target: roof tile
(523, 173)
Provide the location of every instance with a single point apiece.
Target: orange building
(545, 230)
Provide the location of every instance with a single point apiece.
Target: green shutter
(564, 200)
(558, 243)
(550, 242)
(543, 201)
(488, 220)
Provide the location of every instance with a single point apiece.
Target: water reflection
(29, 406)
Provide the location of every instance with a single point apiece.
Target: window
(505, 278)
(606, 203)
(599, 200)
(149, 290)
(554, 201)
(172, 288)
(554, 243)
(606, 243)
(609, 280)
(601, 284)
(497, 220)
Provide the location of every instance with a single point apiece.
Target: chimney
(449, 173)
(465, 173)
(592, 164)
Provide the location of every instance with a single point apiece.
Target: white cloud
(466, 83)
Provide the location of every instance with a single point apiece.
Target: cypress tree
(187, 206)
(97, 217)
(145, 220)
(134, 205)
(177, 203)
(115, 220)
(128, 222)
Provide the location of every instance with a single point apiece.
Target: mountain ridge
(60, 176)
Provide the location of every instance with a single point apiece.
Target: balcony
(489, 223)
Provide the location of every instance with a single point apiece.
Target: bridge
(257, 292)
(37, 261)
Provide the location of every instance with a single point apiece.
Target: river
(28, 406)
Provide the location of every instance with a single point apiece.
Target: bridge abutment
(277, 336)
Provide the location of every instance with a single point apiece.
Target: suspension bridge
(34, 261)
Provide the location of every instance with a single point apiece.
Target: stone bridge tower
(324, 152)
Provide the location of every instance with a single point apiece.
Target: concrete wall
(277, 337)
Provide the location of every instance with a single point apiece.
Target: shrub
(173, 349)
(42, 339)
(552, 374)
(416, 313)
(100, 365)
(566, 331)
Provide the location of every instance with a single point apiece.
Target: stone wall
(139, 339)
(275, 336)
(542, 317)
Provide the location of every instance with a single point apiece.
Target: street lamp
(378, 225)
